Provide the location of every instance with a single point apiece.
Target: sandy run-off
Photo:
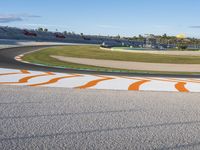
(132, 65)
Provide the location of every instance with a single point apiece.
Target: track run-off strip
(179, 84)
(26, 79)
(54, 80)
(86, 81)
(12, 73)
(94, 82)
(136, 85)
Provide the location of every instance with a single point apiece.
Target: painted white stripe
(114, 84)
(72, 82)
(4, 70)
(193, 87)
(158, 86)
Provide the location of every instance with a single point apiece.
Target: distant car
(110, 44)
(60, 36)
(161, 48)
(27, 33)
(85, 38)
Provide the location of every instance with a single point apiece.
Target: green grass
(43, 57)
(129, 48)
(137, 48)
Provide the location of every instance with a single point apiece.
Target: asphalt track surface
(62, 118)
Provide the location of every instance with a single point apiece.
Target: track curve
(7, 60)
(34, 118)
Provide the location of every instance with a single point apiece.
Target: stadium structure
(149, 40)
(35, 35)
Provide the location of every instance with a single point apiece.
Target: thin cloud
(7, 18)
(194, 27)
(45, 25)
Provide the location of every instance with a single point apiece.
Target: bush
(182, 46)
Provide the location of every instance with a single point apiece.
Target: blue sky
(105, 17)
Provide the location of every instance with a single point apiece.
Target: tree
(118, 36)
(164, 35)
(40, 29)
(140, 36)
(45, 30)
(182, 46)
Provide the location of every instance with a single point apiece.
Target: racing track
(63, 118)
(7, 60)
(34, 75)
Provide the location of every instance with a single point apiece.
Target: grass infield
(94, 52)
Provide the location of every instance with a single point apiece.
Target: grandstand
(35, 35)
(152, 42)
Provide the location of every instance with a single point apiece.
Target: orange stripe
(136, 85)
(26, 79)
(54, 80)
(25, 71)
(150, 78)
(21, 72)
(180, 86)
(174, 80)
(188, 80)
(93, 83)
(163, 79)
